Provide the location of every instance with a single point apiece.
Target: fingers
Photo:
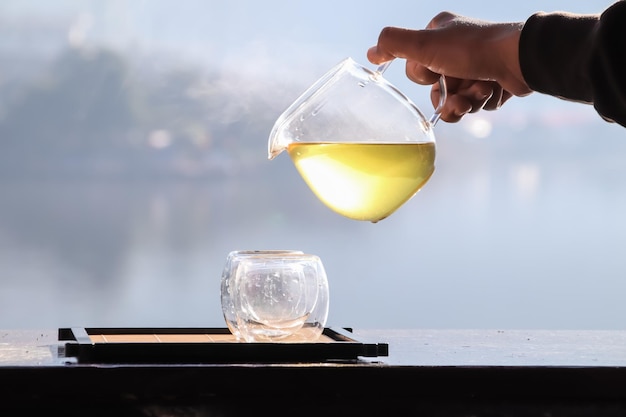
(420, 74)
(375, 55)
(503, 99)
(403, 43)
(442, 19)
(395, 42)
(455, 108)
(467, 51)
(467, 96)
(418, 45)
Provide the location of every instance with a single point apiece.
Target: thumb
(416, 46)
(395, 42)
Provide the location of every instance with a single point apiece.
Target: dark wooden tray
(206, 345)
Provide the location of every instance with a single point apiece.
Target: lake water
(521, 226)
(499, 238)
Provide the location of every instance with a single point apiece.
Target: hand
(479, 59)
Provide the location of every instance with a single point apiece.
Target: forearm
(578, 58)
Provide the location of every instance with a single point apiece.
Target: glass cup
(277, 296)
(228, 281)
(362, 146)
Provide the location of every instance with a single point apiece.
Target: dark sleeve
(578, 57)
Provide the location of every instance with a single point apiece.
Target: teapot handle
(443, 93)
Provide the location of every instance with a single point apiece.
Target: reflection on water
(508, 245)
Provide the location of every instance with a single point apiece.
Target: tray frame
(80, 346)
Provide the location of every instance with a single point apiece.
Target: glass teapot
(362, 146)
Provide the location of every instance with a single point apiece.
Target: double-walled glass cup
(362, 146)
(228, 283)
(275, 296)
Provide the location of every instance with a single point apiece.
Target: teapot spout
(277, 142)
(274, 151)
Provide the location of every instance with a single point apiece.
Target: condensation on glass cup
(275, 296)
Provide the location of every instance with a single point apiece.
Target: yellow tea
(364, 181)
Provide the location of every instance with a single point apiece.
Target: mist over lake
(128, 171)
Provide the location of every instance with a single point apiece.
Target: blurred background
(133, 158)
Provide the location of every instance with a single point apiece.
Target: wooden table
(427, 373)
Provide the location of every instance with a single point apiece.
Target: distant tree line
(95, 111)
